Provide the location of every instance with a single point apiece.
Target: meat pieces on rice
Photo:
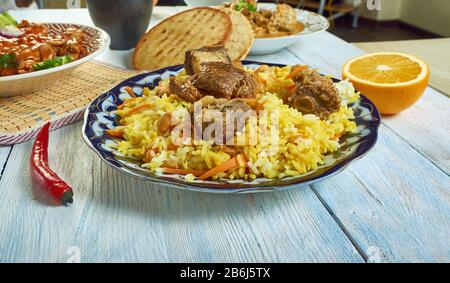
(217, 79)
(314, 93)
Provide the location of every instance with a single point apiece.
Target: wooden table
(391, 206)
(435, 51)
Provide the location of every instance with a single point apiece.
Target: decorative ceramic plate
(313, 22)
(96, 41)
(101, 116)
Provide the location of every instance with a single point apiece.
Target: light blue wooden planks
(394, 202)
(149, 223)
(4, 154)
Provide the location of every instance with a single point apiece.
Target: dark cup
(125, 20)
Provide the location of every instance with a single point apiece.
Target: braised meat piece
(184, 90)
(314, 93)
(194, 58)
(237, 111)
(224, 81)
(284, 18)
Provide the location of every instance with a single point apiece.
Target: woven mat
(22, 116)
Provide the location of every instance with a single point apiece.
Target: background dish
(314, 23)
(100, 116)
(200, 3)
(96, 39)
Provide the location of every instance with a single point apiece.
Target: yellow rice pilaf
(302, 140)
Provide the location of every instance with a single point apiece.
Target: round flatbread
(166, 43)
(242, 36)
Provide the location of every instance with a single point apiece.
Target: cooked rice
(303, 139)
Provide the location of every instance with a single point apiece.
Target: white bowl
(314, 23)
(201, 3)
(96, 39)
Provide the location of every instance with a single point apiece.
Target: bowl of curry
(277, 26)
(41, 54)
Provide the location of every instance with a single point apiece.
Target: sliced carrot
(291, 88)
(116, 133)
(196, 173)
(295, 72)
(138, 109)
(231, 164)
(172, 146)
(130, 92)
(149, 155)
(128, 101)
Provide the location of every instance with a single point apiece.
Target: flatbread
(242, 36)
(166, 43)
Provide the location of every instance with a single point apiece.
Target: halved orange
(393, 81)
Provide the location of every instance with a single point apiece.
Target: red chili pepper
(41, 173)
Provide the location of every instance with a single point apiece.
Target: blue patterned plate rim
(95, 143)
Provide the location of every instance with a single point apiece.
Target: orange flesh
(386, 69)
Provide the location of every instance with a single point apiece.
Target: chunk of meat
(185, 90)
(224, 81)
(47, 52)
(238, 111)
(194, 58)
(314, 94)
(284, 18)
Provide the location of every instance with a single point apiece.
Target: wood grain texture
(394, 204)
(116, 218)
(424, 126)
(4, 154)
(436, 52)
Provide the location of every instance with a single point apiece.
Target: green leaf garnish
(244, 4)
(52, 63)
(8, 61)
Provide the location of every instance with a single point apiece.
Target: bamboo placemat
(63, 103)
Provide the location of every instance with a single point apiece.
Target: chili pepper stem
(67, 198)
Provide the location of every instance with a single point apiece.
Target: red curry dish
(37, 48)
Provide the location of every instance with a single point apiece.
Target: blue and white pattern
(101, 115)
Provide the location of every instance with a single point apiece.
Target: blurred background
(352, 20)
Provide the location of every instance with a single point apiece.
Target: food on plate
(194, 58)
(242, 36)
(43, 176)
(27, 47)
(166, 43)
(218, 79)
(314, 93)
(267, 23)
(393, 81)
(230, 122)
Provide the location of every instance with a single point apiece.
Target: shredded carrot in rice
(301, 144)
(116, 133)
(295, 71)
(230, 165)
(138, 109)
(130, 92)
